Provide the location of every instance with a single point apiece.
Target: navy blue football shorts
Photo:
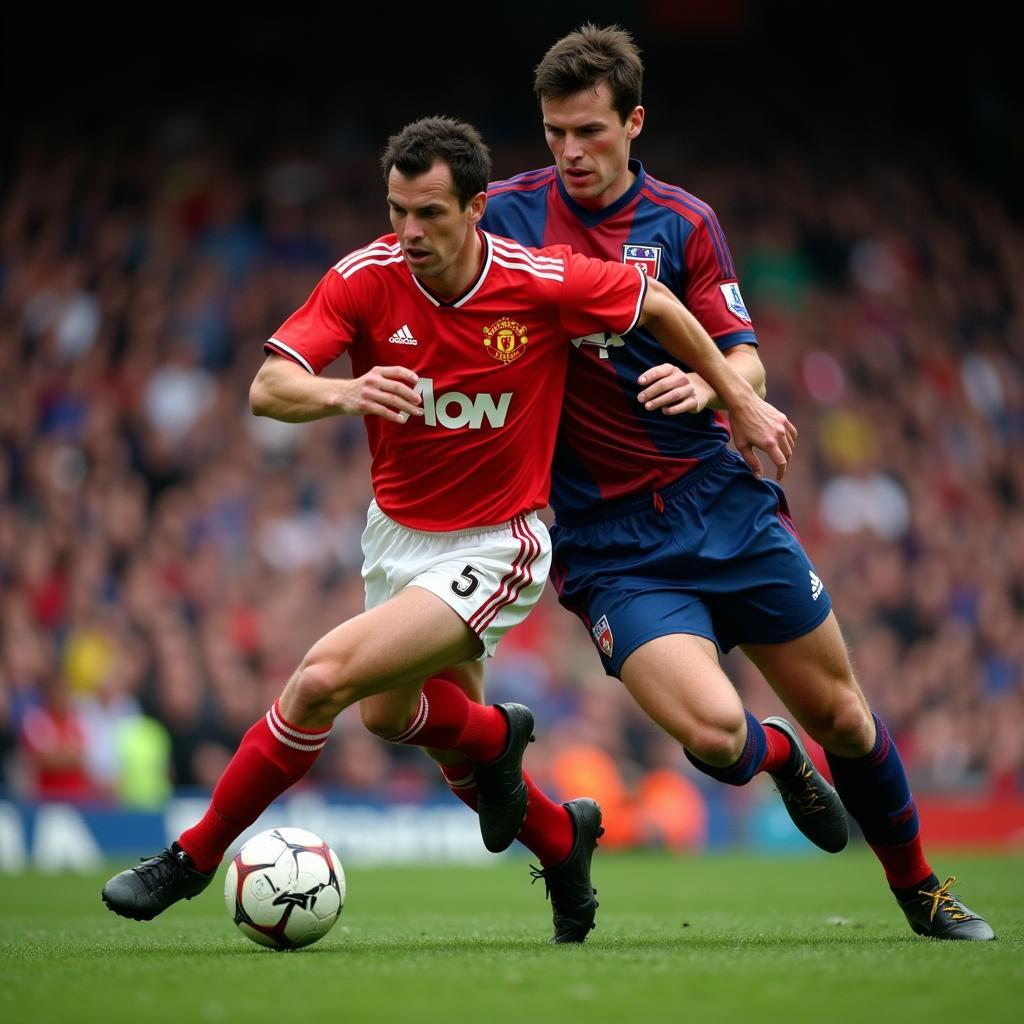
(715, 554)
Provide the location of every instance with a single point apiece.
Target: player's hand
(669, 389)
(757, 424)
(385, 391)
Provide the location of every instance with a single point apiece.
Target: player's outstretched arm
(283, 390)
(754, 423)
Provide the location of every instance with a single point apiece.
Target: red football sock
(547, 832)
(778, 750)
(448, 720)
(461, 781)
(905, 866)
(272, 756)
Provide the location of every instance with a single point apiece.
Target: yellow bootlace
(941, 898)
(804, 791)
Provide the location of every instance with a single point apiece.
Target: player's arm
(673, 391)
(283, 390)
(754, 423)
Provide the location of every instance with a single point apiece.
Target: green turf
(720, 939)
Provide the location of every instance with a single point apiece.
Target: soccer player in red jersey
(665, 545)
(459, 344)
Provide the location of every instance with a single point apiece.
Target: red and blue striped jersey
(609, 447)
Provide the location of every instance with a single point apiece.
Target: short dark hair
(587, 57)
(418, 146)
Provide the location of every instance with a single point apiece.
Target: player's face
(590, 145)
(438, 237)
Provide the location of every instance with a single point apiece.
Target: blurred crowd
(166, 558)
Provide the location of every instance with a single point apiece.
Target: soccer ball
(285, 888)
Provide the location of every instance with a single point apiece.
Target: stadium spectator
(54, 747)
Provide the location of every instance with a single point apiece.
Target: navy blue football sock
(741, 771)
(874, 789)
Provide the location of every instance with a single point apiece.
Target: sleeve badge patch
(734, 301)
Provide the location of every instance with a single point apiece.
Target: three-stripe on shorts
(491, 576)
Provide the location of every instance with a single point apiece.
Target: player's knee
(853, 727)
(385, 722)
(321, 686)
(719, 744)
(846, 727)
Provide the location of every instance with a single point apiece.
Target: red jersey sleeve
(712, 292)
(600, 296)
(321, 329)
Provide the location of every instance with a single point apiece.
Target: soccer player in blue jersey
(666, 544)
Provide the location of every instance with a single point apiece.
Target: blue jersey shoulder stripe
(672, 193)
(721, 254)
(710, 217)
(528, 181)
(697, 205)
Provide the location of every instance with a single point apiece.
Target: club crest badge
(646, 257)
(505, 340)
(603, 635)
(734, 301)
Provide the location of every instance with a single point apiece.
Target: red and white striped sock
(547, 831)
(461, 781)
(272, 756)
(447, 719)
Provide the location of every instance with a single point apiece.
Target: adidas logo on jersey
(403, 336)
(816, 586)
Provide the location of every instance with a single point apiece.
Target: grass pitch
(723, 938)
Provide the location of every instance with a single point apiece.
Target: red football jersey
(491, 365)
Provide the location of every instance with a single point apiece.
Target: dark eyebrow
(431, 207)
(579, 127)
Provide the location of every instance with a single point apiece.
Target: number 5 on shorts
(472, 581)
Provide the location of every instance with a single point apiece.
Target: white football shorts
(491, 576)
